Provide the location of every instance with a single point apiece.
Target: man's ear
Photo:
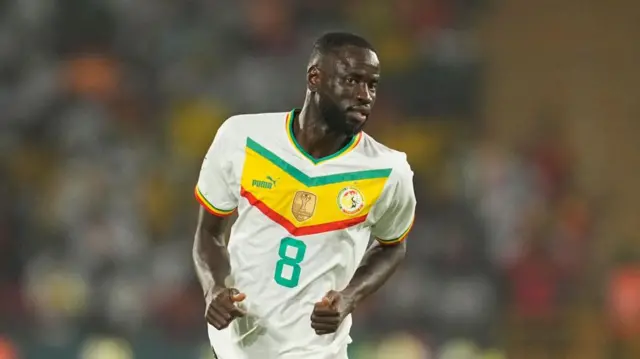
(313, 78)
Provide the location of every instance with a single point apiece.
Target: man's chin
(354, 127)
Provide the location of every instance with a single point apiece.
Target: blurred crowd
(109, 106)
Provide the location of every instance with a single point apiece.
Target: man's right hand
(222, 308)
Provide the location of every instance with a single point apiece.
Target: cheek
(338, 90)
(333, 98)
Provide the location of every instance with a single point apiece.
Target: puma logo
(270, 179)
(268, 184)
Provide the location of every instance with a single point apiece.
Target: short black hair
(332, 41)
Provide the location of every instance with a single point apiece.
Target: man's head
(342, 79)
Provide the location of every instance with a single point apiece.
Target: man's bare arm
(210, 255)
(211, 260)
(378, 264)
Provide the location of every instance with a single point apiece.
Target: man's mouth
(361, 113)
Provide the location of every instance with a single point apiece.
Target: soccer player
(310, 189)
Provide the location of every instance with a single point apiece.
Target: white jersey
(303, 227)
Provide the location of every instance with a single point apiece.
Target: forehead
(353, 58)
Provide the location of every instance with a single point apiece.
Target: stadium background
(520, 119)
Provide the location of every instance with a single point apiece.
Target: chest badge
(350, 201)
(304, 205)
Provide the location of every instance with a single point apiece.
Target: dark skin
(378, 264)
(211, 260)
(341, 90)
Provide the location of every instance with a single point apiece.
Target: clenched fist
(222, 308)
(329, 313)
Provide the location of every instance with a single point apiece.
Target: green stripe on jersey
(315, 181)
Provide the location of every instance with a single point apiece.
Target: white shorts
(223, 344)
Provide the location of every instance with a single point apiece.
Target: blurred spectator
(499, 184)
(8, 349)
(623, 305)
(536, 281)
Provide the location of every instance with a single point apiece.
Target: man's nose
(363, 94)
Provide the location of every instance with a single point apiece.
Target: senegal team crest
(350, 200)
(304, 205)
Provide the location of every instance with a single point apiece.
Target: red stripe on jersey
(292, 228)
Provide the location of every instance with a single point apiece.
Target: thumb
(330, 298)
(235, 295)
(239, 297)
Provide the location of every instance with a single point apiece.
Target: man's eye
(351, 81)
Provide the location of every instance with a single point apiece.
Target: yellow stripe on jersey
(304, 204)
(209, 207)
(402, 237)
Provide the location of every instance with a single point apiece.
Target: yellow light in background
(192, 127)
(402, 345)
(106, 348)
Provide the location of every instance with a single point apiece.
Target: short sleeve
(398, 214)
(213, 189)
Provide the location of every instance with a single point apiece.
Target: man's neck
(313, 135)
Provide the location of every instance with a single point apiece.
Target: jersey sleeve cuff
(399, 239)
(210, 207)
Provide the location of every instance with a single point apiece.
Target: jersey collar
(355, 140)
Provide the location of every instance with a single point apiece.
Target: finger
(217, 323)
(239, 297)
(216, 319)
(223, 325)
(325, 311)
(233, 309)
(324, 326)
(326, 301)
(326, 320)
(220, 311)
(331, 296)
(237, 312)
(324, 332)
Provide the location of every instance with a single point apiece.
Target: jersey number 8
(290, 262)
